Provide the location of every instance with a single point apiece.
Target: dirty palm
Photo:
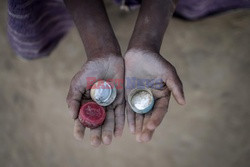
(141, 61)
(41, 24)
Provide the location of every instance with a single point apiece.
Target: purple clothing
(196, 9)
(36, 26)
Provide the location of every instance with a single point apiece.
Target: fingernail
(145, 137)
(106, 140)
(183, 100)
(95, 141)
(138, 138)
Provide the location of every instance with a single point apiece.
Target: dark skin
(144, 47)
(105, 62)
(94, 27)
(151, 24)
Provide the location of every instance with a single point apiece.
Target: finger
(118, 104)
(138, 126)
(119, 120)
(146, 135)
(108, 126)
(95, 136)
(73, 100)
(74, 96)
(130, 118)
(79, 130)
(147, 117)
(176, 87)
(159, 111)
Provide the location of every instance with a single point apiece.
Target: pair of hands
(140, 64)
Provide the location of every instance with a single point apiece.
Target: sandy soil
(212, 58)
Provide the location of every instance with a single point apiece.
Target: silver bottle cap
(141, 100)
(103, 92)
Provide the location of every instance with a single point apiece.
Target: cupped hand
(150, 69)
(111, 68)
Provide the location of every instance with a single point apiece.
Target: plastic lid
(92, 115)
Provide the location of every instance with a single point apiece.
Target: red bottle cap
(92, 115)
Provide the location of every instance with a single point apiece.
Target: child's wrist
(103, 52)
(146, 45)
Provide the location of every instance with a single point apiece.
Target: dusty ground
(212, 57)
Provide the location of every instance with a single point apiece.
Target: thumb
(175, 86)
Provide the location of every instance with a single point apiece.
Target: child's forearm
(151, 24)
(94, 27)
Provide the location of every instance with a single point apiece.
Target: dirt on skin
(212, 58)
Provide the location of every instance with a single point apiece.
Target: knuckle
(138, 117)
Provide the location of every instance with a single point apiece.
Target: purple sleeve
(36, 26)
(195, 9)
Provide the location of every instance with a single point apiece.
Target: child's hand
(143, 64)
(104, 63)
(108, 67)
